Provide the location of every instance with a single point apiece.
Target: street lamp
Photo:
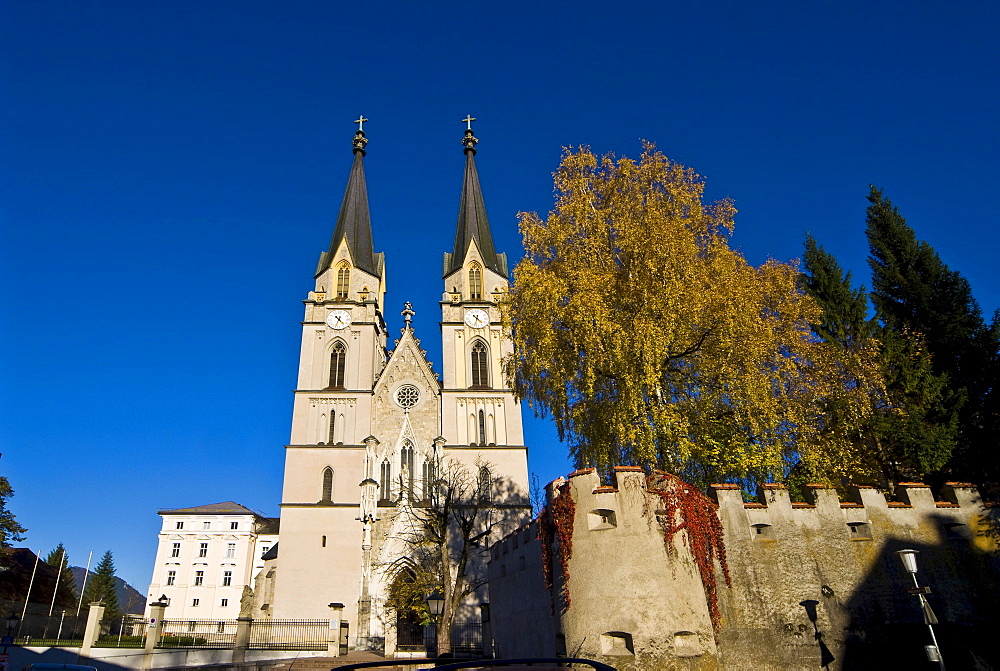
(435, 603)
(909, 559)
(11, 622)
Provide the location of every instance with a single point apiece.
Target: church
(371, 424)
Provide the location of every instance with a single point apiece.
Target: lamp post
(435, 604)
(909, 559)
(12, 621)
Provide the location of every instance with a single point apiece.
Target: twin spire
(354, 220)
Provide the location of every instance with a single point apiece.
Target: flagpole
(62, 560)
(86, 574)
(30, 584)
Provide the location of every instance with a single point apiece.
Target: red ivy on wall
(556, 522)
(686, 508)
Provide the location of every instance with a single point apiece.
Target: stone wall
(814, 584)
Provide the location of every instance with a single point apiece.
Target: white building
(206, 555)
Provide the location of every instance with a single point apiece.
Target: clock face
(477, 318)
(338, 319)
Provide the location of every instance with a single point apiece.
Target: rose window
(407, 396)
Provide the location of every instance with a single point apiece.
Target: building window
(194, 602)
(338, 364)
(180, 525)
(406, 462)
(264, 550)
(482, 427)
(203, 550)
(206, 525)
(230, 550)
(475, 283)
(333, 426)
(485, 480)
(327, 484)
(227, 579)
(343, 280)
(171, 577)
(234, 525)
(175, 551)
(407, 396)
(480, 372)
(322, 542)
(428, 479)
(199, 578)
(385, 480)
(223, 603)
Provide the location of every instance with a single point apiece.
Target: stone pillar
(242, 639)
(484, 610)
(333, 638)
(153, 631)
(93, 630)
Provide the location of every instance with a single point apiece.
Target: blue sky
(171, 171)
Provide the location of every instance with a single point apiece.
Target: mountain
(130, 600)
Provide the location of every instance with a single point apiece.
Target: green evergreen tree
(10, 530)
(102, 587)
(915, 293)
(845, 319)
(913, 431)
(66, 592)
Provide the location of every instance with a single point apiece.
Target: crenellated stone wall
(814, 585)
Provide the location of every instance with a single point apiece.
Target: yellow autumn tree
(651, 342)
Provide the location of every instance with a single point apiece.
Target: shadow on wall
(21, 657)
(885, 625)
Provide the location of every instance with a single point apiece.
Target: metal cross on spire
(469, 141)
(361, 120)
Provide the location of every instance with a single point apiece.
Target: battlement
(617, 591)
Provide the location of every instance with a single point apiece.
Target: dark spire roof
(472, 221)
(354, 221)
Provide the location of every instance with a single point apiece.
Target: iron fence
(466, 639)
(198, 634)
(60, 628)
(128, 631)
(270, 634)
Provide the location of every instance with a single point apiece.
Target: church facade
(371, 424)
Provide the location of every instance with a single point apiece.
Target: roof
(272, 553)
(227, 507)
(473, 223)
(354, 220)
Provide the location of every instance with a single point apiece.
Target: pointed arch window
(428, 479)
(475, 282)
(343, 280)
(406, 464)
(327, 485)
(480, 368)
(482, 427)
(338, 365)
(485, 483)
(333, 426)
(385, 481)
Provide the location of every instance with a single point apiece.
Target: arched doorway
(406, 598)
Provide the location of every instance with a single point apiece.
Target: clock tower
(370, 425)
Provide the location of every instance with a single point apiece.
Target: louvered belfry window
(343, 280)
(338, 364)
(480, 372)
(475, 283)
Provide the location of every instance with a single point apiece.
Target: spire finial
(407, 314)
(360, 140)
(470, 140)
